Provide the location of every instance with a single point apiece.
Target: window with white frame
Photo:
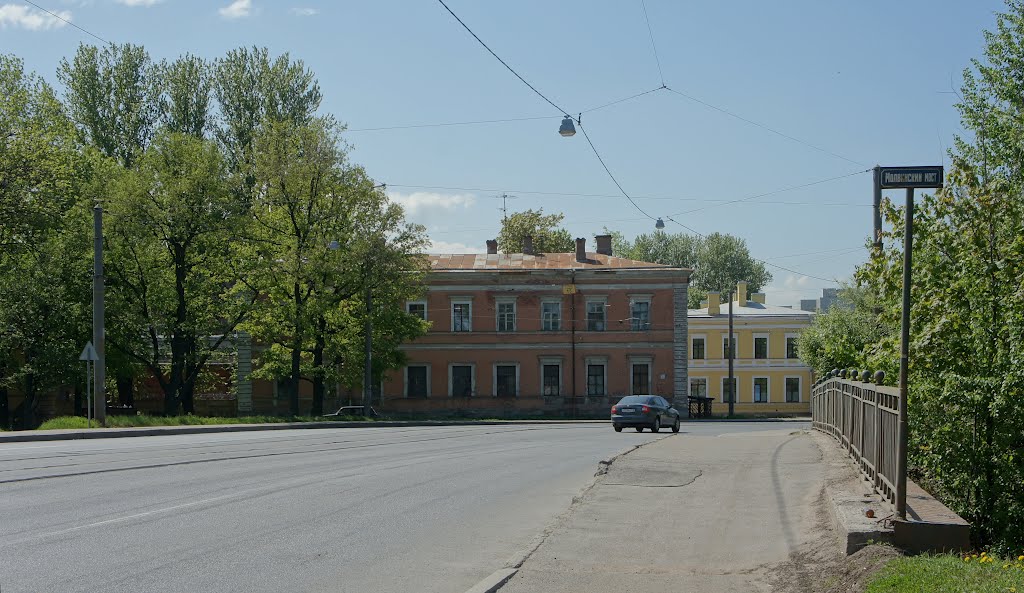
(727, 393)
(551, 376)
(417, 309)
(640, 376)
(761, 346)
(551, 315)
(506, 380)
(462, 315)
(792, 389)
(461, 382)
(698, 387)
(640, 314)
(791, 347)
(597, 369)
(761, 390)
(596, 315)
(697, 348)
(506, 310)
(417, 380)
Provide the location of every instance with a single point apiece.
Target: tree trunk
(125, 390)
(318, 369)
(188, 404)
(78, 399)
(5, 408)
(26, 412)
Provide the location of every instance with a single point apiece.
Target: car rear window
(635, 399)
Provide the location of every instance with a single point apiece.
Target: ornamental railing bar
(864, 418)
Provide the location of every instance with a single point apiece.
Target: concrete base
(931, 526)
(854, 527)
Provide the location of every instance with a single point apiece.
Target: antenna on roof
(504, 205)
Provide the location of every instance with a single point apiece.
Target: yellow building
(769, 378)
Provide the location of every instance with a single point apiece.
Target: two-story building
(561, 334)
(769, 378)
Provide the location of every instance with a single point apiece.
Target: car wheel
(675, 427)
(657, 424)
(639, 428)
(617, 428)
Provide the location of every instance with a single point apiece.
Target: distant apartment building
(829, 298)
(558, 334)
(769, 378)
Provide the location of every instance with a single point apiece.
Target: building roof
(540, 261)
(752, 309)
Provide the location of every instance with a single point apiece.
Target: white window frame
(472, 378)
(494, 377)
(799, 389)
(699, 337)
(735, 386)
(498, 302)
(768, 387)
(405, 378)
(649, 361)
(409, 305)
(641, 298)
(796, 351)
(451, 312)
(552, 361)
(550, 301)
(689, 388)
(767, 346)
(596, 360)
(603, 301)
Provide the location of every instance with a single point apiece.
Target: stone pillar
(680, 347)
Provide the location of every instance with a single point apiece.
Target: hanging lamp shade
(567, 129)
(660, 224)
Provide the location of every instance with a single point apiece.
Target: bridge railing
(863, 416)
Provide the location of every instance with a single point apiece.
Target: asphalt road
(367, 509)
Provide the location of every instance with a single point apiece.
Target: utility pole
(878, 210)
(99, 375)
(732, 354)
(901, 447)
(368, 354)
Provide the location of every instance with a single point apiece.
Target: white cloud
(790, 291)
(449, 247)
(419, 203)
(138, 2)
(20, 15)
(305, 11)
(237, 9)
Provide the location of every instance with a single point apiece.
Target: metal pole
(901, 453)
(88, 394)
(572, 340)
(732, 354)
(878, 207)
(368, 354)
(99, 368)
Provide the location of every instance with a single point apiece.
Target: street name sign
(901, 177)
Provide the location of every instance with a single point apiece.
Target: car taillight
(645, 409)
(615, 409)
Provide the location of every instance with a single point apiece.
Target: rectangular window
(761, 347)
(792, 389)
(727, 394)
(551, 316)
(640, 315)
(791, 347)
(462, 315)
(725, 347)
(760, 389)
(417, 309)
(505, 380)
(595, 379)
(595, 316)
(552, 378)
(641, 382)
(462, 380)
(416, 381)
(698, 349)
(506, 317)
(698, 387)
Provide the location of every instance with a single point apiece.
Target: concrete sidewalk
(691, 513)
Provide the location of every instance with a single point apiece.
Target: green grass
(950, 574)
(77, 422)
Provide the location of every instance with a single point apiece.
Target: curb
(495, 581)
(111, 433)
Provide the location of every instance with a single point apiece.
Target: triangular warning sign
(88, 353)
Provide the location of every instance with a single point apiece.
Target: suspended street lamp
(567, 129)
(660, 224)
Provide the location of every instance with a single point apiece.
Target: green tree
(548, 237)
(845, 336)
(187, 96)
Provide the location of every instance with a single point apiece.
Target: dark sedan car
(641, 411)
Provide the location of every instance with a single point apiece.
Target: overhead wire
(653, 46)
(57, 16)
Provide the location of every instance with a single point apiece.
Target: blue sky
(865, 82)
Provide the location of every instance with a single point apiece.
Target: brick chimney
(757, 297)
(492, 246)
(581, 250)
(741, 293)
(528, 244)
(604, 244)
(714, 301)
